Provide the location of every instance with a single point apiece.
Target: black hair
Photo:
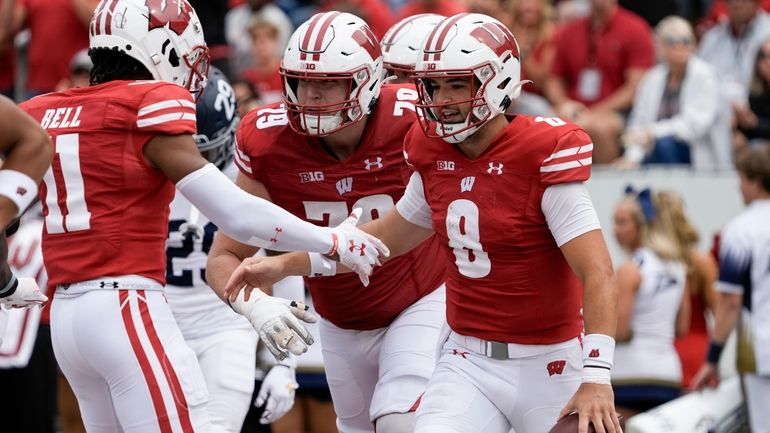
(114, 64)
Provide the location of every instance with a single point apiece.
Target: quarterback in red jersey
(506, 198)
(333, 145)
(120, 146)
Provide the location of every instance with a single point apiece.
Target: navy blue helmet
(217, 120)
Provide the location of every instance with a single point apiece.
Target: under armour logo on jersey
(556, 367)
(345, 185)
(594, 353)
(498, 169)
(105, 284)
(467, 183)
(354, 247)
(278, 231)
(376, 163)
(21, 190)
(458, 352)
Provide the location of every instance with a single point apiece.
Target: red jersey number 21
(70, 191)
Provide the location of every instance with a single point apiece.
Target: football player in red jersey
(336, 144)
(120, 146)
(506, 197)
(26, 154)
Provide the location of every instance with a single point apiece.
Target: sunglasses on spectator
(676, 40)
(761, 55)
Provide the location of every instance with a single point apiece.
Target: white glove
(276, 393)
(357, 250)
(275, 320)
(27, 294)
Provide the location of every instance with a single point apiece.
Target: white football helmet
(165, 36)
(402, 42)
(332, 46)
(473, 46)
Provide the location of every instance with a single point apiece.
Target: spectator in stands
(753, 120)
(246, 97)
(532, 24)
(700, 293)
(678, 116)
(7, 55)
(446, 8)
(375, 12)
(212, 15)
(264, 74)
(652, 227)
(80, 72)
(598, 63)
(58, 29)
(731, 46)
(237, 23)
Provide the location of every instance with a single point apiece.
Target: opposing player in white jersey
(520, 240)
(744, 283)
(223, 341)
(652, 308)
(26, 153)
(336, 143)
(401, 46)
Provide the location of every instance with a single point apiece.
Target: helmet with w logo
(337, 47)
(402, 43)
(479, 48)
(165, 36)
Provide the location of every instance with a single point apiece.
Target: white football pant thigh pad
(227, 360)
(102, 339)
(395, 423)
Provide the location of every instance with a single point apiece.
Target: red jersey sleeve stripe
(566, 165)
(243, 162)
(570, 152)
(165, 118)
(171, 103)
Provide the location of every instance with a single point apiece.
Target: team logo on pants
(556, 367)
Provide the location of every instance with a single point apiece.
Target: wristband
(10, 287)
(321, 266)
(714, 352)
(598, 352)
(19, 188)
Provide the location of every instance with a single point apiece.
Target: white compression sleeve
(569, 211)
(413, 206)
(250, 219)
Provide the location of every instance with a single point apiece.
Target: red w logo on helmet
(496, 37)
(174, 13)
(364, 37)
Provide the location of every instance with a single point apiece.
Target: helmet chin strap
(445, 129)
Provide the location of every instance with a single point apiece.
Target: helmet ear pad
(344, 49)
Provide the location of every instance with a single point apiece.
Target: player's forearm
(219, 266)
(726, 314)
(248, 219)
(600, 303)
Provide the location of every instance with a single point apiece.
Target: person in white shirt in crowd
(678, 116)
(730, 46)
(237, 23)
